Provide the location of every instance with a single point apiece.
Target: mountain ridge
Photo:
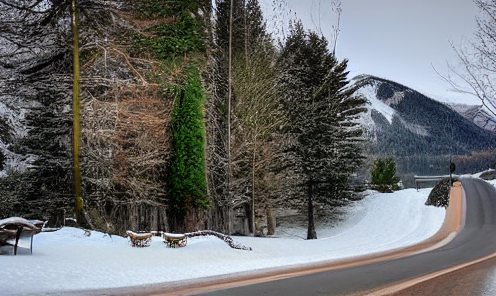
(478, 114)
(420, 133)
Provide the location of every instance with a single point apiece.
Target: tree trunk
(79, 207)
(311, 234)
(271, 222)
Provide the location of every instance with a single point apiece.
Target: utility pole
(452, 166)
(452, 170)
(76, 121)
(229, 210)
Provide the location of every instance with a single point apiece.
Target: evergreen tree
(5, 135)
(38, 62)
(384, 175)
(256, 36)
(248, 26)
(320, 110)
(222, 25)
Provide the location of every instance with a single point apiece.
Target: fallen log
(226, 238)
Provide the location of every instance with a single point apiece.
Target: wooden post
(76, 131)
(229, 209)
(253, 189)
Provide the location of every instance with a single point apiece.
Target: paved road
(477, 239)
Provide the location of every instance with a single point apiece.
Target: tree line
(192, 116)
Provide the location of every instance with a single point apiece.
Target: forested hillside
(169, 115)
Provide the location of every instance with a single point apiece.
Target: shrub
(439, 196)
(384, 175)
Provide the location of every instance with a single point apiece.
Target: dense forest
(170, 115)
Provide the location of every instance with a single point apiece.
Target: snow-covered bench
(139, 239)
(12, 229)
(174, 240)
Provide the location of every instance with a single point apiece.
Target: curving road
(475, 240)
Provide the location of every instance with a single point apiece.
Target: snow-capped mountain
(419, 132)
(478, 114)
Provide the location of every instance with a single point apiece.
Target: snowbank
(68, 260)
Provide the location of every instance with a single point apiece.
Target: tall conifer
(324, 148)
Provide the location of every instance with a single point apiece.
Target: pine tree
(38, 60)
(320, 110)
(222, 25)
(384, 175)
(256, 36)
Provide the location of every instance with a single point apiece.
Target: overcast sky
(400, 40)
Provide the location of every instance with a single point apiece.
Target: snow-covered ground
(68, 260)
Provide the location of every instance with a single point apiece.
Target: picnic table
(14, 228)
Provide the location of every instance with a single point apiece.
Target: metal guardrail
(422, 179)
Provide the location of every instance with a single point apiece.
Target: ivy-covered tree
(384, 177)
(178, 30)
(187, 178)
(321, 113)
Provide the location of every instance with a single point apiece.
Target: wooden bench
(175, 240)
(139, 240)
